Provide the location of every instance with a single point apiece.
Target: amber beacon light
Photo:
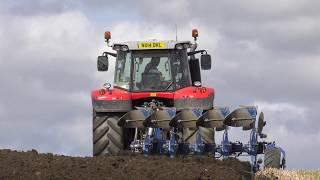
(107, 35)
(195, 33)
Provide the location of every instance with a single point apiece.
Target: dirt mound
(31, 165)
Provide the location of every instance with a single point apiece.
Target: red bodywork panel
(114, 94)
(185, 93)
(194, 92)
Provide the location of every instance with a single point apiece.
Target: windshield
(153, 70)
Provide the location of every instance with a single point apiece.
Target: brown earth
(31, 165)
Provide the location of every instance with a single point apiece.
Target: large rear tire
(272, 158)
(107, 135)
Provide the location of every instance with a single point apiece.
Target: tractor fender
(115, 100)
(194, 97)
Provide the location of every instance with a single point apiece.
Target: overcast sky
(264, 53)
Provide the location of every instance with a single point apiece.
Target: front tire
(107, 135)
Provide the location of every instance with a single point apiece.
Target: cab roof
(150, 44)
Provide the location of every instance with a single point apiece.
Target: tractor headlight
(124, 48)
(120, 48)
(186, 45)
(183, 46)
(179, 46)
(197, 84)
(116, 48)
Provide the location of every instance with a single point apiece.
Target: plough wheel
(272, 158)
(107, 135)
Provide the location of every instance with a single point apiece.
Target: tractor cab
(155, 66)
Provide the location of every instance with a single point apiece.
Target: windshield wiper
(169, 85)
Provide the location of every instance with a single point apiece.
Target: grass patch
(267, 174)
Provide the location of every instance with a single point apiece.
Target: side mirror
(205, 62)
(102, 63)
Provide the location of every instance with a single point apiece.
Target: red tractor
(158, 105)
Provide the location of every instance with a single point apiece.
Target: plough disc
(213, 118)
(249, 127)
(241, 117)
(134, 118)
(186, 118)
(160, 118)
(261, 123)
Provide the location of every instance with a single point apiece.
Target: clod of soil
(31, 165)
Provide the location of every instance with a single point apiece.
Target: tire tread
(272, 158)
(107, 135)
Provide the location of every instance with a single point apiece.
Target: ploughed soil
(32, 165)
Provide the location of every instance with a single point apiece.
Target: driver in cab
(151, 77)
(152, 67)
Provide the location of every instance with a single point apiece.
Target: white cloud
(47, 67)
(288, 110)
(59, 36)
(76, 135)
(2, 111)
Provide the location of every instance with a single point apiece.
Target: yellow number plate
(153, 94)
(151, 45)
